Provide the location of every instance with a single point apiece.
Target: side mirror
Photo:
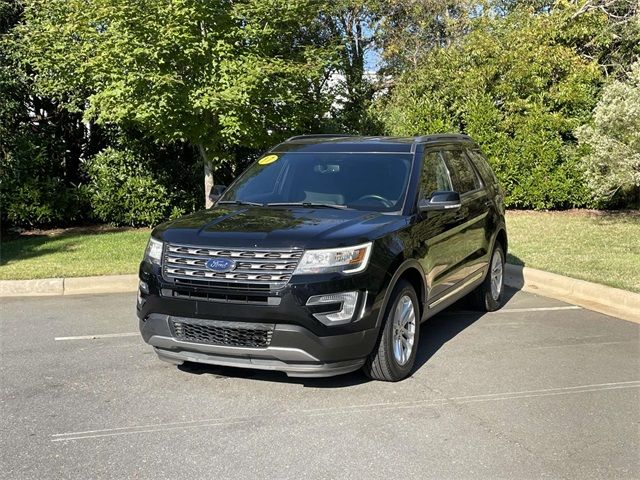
(216, 192)
(440, 201)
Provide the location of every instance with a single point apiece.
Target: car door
(469, 242)
(435, 229)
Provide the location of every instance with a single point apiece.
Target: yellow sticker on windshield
(268, 159)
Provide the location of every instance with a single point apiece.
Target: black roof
(355, 143)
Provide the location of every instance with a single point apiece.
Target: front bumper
(300, 344)
(291, 369)
(293, 349)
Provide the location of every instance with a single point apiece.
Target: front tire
(395, 353)
(489, 295)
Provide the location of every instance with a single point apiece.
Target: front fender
(401, 267)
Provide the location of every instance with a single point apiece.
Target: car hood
(277, 227)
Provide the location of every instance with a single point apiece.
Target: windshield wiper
(307, 205)
(242, 202)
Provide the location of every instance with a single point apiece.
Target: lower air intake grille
(236, 334)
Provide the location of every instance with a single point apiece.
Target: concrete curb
(69, 286)
(593, 296)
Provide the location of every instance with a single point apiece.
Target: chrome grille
(254, 268)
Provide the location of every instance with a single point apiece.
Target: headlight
(345, 260)
(154, 251)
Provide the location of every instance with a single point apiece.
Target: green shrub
(612, 143)
(35, 185)
(33, 192)
(124, 189)
(520, 92)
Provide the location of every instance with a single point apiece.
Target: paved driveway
(539, 389)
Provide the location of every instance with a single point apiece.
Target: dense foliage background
(115, 111)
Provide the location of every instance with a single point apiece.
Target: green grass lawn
(595, 246)
(600, 247)
(75, 252)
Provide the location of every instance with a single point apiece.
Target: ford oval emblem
(220, 265)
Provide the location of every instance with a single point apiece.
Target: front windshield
(362, 181)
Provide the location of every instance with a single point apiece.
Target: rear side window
(465, 179)
(483, 166)
(435, 175)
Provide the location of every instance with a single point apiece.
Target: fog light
(140, 299)
(346, 301)
(142, 288)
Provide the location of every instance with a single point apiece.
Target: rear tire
(393, 357)
(489, 295)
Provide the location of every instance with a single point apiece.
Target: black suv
(326, 255)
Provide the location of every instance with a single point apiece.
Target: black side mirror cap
(216, 192)
(440, 201)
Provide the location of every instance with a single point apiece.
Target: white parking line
(96, 337)
(581, 344)
(341, 410)
(537, 309)
(454, 313)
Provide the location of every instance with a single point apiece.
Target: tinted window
(363, 181)
(435, 175)
(482, 165)
(260, 182)
(464, 176)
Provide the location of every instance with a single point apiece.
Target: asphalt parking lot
(540, 389)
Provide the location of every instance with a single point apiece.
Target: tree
(400, 32)
(40, 143)
(612, 164)
(216, 74)
(349, 25)
(515, 87)
(605, 31)
(408, 29)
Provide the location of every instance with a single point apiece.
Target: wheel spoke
(407, 309)
(404, 327)
(496, 275)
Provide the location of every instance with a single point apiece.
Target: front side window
(464, 176)
(362, 181)
(435, 175)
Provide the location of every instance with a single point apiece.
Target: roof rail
(318, 135)
(444, 136)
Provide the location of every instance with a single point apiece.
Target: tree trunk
(208, 175)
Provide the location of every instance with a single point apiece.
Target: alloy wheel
(497, 267)
(404, 330)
